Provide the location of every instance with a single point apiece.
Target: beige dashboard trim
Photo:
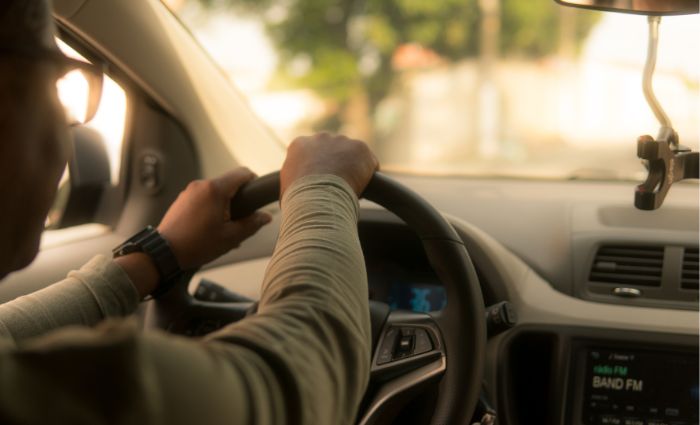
(536, 302)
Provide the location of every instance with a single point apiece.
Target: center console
(583, 376)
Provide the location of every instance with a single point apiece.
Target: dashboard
(564, 361)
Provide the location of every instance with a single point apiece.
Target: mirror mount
(666, 160)
(667, 163)
(648, 75)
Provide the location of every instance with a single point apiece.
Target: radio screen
(639, 387)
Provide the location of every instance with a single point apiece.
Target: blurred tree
(340, 48)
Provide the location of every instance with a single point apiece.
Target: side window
(94, 168)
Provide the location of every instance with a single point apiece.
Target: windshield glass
(472, 87)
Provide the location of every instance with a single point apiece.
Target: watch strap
(151, 243)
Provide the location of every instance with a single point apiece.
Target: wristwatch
(151, 243)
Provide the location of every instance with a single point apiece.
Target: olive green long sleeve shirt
(304, 358)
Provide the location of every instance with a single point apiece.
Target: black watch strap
(151, 243)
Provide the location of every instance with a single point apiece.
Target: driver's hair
(26, 23)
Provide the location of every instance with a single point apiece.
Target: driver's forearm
(313, 320)
(100, 289)
(141, 270)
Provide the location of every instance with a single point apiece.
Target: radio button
(670, 411)
(610, 420)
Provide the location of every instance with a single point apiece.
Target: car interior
(501, 291)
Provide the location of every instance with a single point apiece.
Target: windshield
(466, 87)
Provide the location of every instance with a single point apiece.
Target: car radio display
(639, 387)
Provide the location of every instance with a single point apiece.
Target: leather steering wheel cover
(461, 322)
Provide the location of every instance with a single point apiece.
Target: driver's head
(33, 131)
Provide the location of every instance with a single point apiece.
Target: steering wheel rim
(461, 323)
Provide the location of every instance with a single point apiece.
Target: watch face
(134, 243)
(126, 248)
(139, 237)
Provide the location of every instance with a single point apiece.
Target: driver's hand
(198, 225)
(324, 153)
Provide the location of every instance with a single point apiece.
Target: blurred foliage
(337, 46)
(532, 28)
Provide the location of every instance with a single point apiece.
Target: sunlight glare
(110, 119)
(73, 92)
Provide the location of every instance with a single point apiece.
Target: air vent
(630, 265)
(689, 277)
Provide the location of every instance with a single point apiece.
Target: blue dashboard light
(417, 297)
(419, 300)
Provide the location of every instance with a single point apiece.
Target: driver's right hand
(323, 153)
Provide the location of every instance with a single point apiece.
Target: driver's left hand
(198, 225)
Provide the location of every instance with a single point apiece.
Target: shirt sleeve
(303, 359)
(313, 317)
(100, 289)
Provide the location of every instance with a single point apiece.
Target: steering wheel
(410, 350)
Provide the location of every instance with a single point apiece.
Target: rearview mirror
(640, 7)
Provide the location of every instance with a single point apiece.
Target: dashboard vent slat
(689, 276)
(629, 265)
(634, 252)
(629, 260)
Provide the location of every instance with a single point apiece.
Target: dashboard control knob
(499, 318)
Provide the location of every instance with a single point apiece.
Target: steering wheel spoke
(408, 358)
(408, 341)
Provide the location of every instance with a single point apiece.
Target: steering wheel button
(405, 344)
(386, 350)
(423, 343)
(390, 338)
(408, 331)
(384, 356)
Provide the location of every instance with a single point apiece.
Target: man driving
(70, 354)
